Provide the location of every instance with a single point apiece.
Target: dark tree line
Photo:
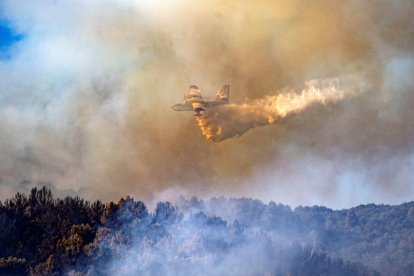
(41, 235)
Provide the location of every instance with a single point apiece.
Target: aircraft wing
(182, 107)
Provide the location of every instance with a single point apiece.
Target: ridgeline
(41, 235)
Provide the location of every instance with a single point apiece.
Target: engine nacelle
(198, 108)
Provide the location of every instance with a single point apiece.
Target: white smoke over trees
(43, 235)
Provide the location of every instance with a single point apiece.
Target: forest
(44, 235)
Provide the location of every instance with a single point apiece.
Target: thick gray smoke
(85, 96)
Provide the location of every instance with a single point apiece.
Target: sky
(86, 89)
(7, 39)
(6, 35)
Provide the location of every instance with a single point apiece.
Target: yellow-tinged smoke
(85, 97)
(233, 120)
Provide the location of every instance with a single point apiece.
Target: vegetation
(40, 235)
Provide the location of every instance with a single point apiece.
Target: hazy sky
(86, 89)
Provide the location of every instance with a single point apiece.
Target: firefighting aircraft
(194, 101)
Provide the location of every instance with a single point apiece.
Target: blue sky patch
(8, 37)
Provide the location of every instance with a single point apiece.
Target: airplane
(194, 101)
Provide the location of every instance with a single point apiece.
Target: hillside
(41, 235)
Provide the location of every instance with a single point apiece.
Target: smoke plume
(85, 97)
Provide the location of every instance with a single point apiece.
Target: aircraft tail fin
(224, 93)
